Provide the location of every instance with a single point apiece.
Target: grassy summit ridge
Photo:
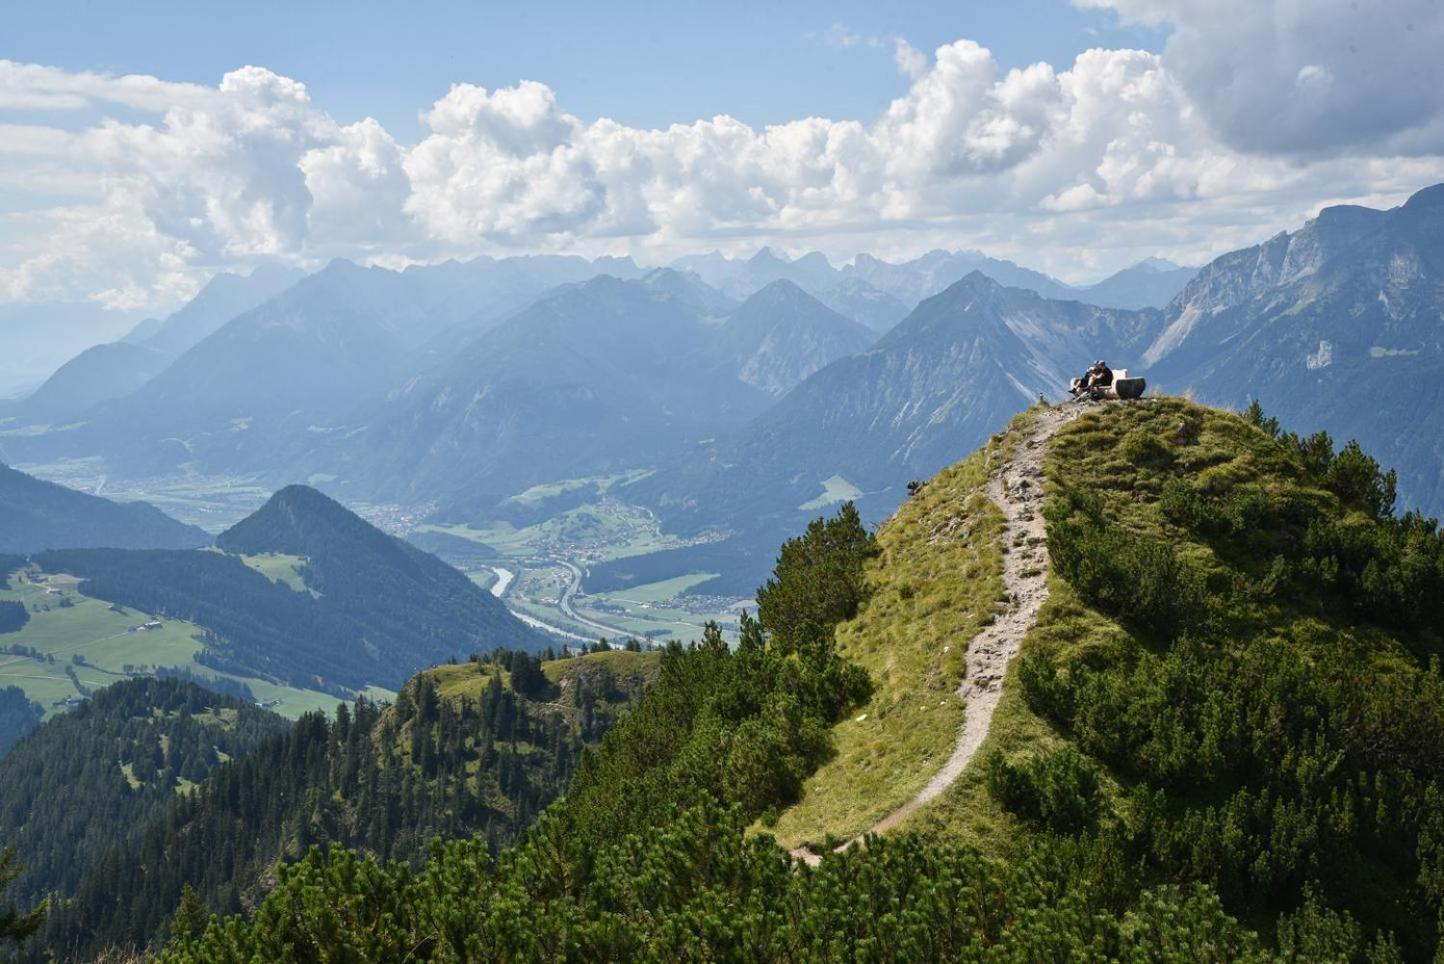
(933, 587)
(1236, 676)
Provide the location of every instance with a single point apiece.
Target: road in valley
(504, 580)
(564, 602)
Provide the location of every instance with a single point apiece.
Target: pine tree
(15, 925)
(191, 915)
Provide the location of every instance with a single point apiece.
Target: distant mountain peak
(1427, 198)
(292, 520)
(975, 281)
(814, 259)
(766, 255)
(306, 497)
(1348, 218)
(1156, 264)
(780, 290)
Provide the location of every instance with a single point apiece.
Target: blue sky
(646, 64)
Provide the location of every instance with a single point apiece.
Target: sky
(145, 146)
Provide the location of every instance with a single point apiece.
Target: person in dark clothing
(1098, 375)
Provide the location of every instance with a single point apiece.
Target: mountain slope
(599, 377)
(224, 297)
(368, 609)
(353, 565)
(1336, 326)
(689, 288)
(474, 749)
(1218, 590)
(856, 299)
(91, 778)
(36, 515)
(781, 335)
(1152, 283)
(39, 337)
(115, 369)
(18, 716)
(96, 375)
(960, 364)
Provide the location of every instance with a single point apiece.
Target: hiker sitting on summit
(1098, 375)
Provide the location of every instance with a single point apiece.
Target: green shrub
(1143, 448)
(1136, 578)
(1057, 792)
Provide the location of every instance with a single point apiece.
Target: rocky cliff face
(1337, 326)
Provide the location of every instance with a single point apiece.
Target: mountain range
(1337, 326)
(757, 391)
(859, 429)
(286, 378)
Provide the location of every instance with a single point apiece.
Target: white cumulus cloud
(1306, 76)
(1244, 124)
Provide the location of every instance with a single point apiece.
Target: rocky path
(1016, 487)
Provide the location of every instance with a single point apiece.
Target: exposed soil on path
(1016, 487)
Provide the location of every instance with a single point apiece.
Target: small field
(77, 639)
(608, 529)
(469, 680)
(282, 568)
(834, 490)
(539, 494)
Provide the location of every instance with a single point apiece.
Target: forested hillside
(1221, 742)
(36, 515)
(1246, 664)
(94, 777)
(477, 748)
(18, 716)
(371, 610)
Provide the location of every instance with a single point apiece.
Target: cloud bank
(1253, 115)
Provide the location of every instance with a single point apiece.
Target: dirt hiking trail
(1016, 487)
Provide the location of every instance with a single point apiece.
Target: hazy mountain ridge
(1152, 283)
(37, 515)
(871, 290)
(115, 369)
(39, 337)
(596, 377)
(781, 335)
(96, 375)
(224, 297)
